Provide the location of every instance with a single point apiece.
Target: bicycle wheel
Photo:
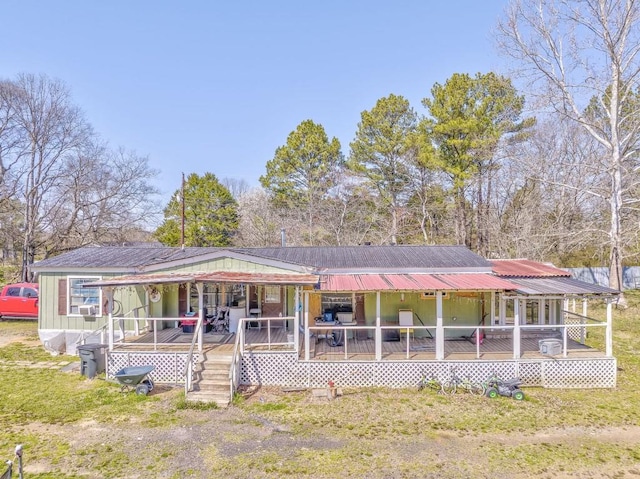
(449, 387)
(477, 389)
(435, 385)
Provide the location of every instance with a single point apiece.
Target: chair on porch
(405, 318)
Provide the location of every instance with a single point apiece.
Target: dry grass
(374, 433)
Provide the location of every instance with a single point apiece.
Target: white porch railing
(188, 367)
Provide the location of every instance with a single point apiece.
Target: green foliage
(383, 151)
(468, 117)
(210, 214)
(303, 170)
(383, 144)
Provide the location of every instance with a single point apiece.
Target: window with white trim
(78, 296)
(272, 294)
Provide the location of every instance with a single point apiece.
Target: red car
(19, 300)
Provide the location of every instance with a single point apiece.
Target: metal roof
(560, 286)
(525, 268)
(414, 282)
(124, 257)
(375, 257)
(204, 277)
(344, 258)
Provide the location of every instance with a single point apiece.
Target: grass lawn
(75, 428)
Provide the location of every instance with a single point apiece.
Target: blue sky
(205, 86)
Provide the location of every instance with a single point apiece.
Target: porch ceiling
(207, 277)
(414, 282)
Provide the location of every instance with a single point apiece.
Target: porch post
(553, 307)
(200, 322)
(109, 292)
(584, 307)
(493, 309)
(609, 332)
(503, 310)
(296, 320)
(516, 328)
(541, 311)
(378, 330)
(439, 327)
(307, 335)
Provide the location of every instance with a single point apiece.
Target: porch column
(109, 292)
(553, 311)
(503, 310)
(378, 330)
(296, 320)
(516, 328)
(439, 327)
(541, 311)
(584, 307)
(493, 309)
(307, 335)
(609, 331)
(200, 322)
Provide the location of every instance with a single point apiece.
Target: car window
(13, 291)
(30, 292)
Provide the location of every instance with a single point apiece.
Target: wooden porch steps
(211, 381)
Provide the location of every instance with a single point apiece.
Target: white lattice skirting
(169, 367)
(270, 369)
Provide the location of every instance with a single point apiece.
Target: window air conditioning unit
(431, 295)
(87, 310)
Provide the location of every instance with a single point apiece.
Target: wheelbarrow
(136, 376)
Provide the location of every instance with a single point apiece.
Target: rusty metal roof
(208, 277)
(524, 268)
(414, 282)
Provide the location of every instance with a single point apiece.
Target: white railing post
(439, 327)
(296, 321)
(516, 328)
(378, 329)
(110, 306)
(609, 331)
(307, 333)
(200, 288)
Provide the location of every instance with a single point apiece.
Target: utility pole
(182, 199)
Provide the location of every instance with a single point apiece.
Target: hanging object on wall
(154, 295)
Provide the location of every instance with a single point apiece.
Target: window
(78, 296)
(13, 291)
(29, 293)
(272, 294)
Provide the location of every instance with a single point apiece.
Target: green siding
(228, 264)
(126, 299)
(466, 310)
(129, 297)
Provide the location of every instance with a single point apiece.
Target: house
(300, 316)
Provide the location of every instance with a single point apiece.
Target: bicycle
(430, 382)
(465, 384)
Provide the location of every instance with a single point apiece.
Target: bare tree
(53, 127)
(582, 51)
(59, 189)
(102, 196)
(544, 208)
